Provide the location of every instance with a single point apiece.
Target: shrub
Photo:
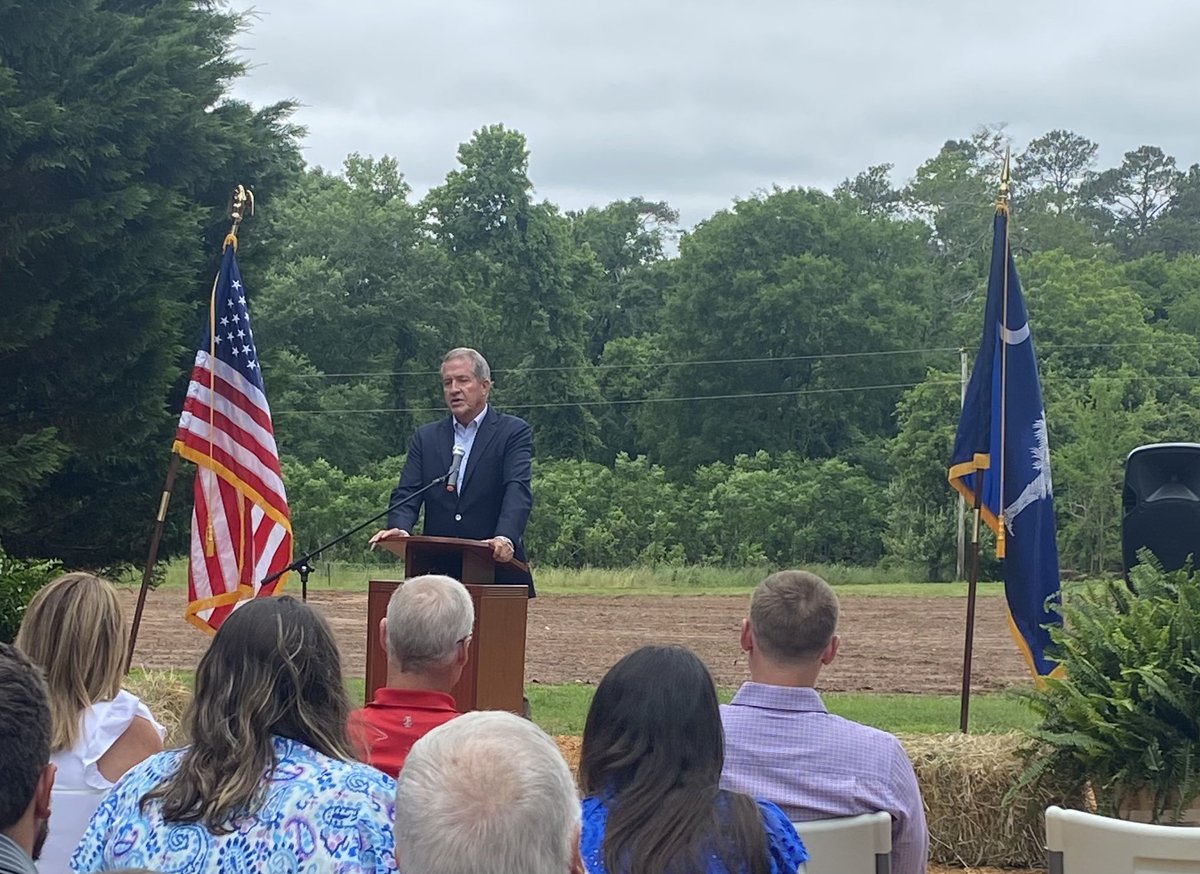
(19, 581)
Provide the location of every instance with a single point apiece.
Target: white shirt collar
(474, 423)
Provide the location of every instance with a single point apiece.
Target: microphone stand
(301, 565)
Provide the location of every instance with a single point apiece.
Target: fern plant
(1125, 720)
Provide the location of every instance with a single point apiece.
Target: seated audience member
(269, 782)
(782, 744)
(427, 634)
(74, 631)
(26, 775)
(487, 793)
(650, 765)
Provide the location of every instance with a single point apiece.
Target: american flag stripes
(241, 529)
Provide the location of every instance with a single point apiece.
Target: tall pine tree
(118, 147)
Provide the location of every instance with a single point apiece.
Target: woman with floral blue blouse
(269, 782)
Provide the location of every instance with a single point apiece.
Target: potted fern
(1123, 724)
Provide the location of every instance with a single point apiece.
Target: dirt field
(888, 644)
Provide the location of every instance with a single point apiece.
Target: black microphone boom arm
(302, 566)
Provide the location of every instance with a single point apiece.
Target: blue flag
(1002, 438)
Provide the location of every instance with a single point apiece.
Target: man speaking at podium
(488, 454)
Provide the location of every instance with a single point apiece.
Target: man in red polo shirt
(427, 633)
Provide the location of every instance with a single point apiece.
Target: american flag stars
(236, 342)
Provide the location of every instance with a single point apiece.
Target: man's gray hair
(488, 793)
(426, 618)
(482, 370)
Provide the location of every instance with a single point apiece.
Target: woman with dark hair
(650, 767)
(269, 782)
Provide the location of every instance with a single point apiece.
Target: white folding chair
(848, 845)
(1084, 843)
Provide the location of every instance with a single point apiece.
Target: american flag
(241, 529)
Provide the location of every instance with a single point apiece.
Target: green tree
(1052, 176)
(519, 265)
(1096, 430)
(1090, 320)
(955, 193)
(871, 192)
(1054, 168)
(922, 528)
(590, 514)
(772, 300)
(1168, 287)
(1135, 193)
(318, 417)
(785, 510)
(118, 147)
(626, 376)
(1177, 229)
(355, 299)
(627, 237)
(325, 501)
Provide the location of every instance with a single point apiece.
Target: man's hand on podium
(387, 534)
(502, 547)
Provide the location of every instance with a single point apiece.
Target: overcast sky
(702, 102)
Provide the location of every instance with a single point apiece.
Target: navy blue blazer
(495, 498)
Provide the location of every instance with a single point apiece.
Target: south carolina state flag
(1002, 438)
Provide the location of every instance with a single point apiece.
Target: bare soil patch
(888, 644)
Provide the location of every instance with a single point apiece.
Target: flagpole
(960, 564)
(973, 580)
(152, 556)
(241, 197)
(1002, 206)
(972, 589)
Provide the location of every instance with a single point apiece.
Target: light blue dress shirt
(464, 435)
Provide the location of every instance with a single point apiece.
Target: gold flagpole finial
(1005, 177)
(240, 206)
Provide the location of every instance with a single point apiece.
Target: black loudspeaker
(1161, 504)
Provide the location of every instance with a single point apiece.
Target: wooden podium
(494, 677)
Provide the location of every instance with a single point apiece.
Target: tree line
(778, 384)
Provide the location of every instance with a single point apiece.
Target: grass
(849, 581)
(563, 710)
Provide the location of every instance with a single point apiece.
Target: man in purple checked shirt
(782, 745)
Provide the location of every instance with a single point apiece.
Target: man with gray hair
(782, 745)
(487, 456)
(427, 635)
(488, 793)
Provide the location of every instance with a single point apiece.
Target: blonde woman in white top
(75, 632)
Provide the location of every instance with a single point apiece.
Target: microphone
(452, 476)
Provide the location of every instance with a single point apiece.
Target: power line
(935, 350)
(725, 397)
(626, 402)
(650, 364)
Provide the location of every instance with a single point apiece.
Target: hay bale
(569, 746)
(167, 695)
(963, 780)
